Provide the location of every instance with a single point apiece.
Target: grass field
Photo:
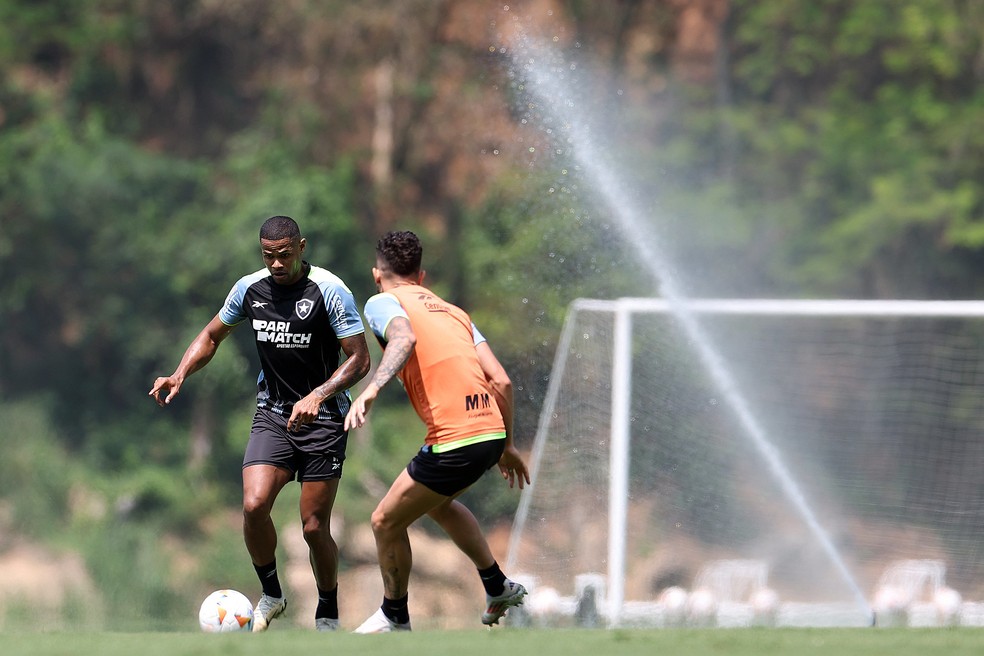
(567, 642)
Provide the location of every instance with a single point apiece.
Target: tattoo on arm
(327, 388)
(351, 371)
(400, 343)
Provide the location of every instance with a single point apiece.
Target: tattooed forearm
(355, 367)
(342, 379)
(390, 366)
(400, 342)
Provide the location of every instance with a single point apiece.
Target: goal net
(726, 463)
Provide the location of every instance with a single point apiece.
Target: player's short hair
(401, 252)
(279, 227)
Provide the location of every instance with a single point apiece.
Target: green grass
(560, 642)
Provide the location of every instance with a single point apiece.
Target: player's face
(283, 259)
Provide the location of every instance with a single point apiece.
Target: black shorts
(313, 453)
(450, 472)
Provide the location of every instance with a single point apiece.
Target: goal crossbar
(846, 307)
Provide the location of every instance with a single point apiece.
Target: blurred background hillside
(809, 149)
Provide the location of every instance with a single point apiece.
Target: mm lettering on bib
(477, 401)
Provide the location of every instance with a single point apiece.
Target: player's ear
(302, 243)
(420, 277)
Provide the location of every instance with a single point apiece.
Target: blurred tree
(831, 149)
(860, 124)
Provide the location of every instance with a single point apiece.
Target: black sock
(493, 579)
(327, 604)
(269, 579)
(397, 609)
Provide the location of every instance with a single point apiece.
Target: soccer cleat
(266, 609)
(495, 607)
(326, 623)
(379, 623)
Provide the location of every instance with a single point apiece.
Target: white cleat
(379, 623)
(266, 609)
(496, 607)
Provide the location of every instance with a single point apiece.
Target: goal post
(680, 439)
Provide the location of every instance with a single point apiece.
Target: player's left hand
(513, 468)
(305, 412)
(356, 417)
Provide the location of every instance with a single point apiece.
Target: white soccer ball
(702, 608)
(765, 606)
(891, 605)
(545, 601)
(673, 600)
(948, 603)
(226, 610)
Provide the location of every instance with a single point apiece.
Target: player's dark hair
(279, 227)
(401, 251)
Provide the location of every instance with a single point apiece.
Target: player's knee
(380, 522)
(255, 508)
(315, 530)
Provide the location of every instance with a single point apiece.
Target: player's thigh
(262, 484)
(405, 502)
(317, 500)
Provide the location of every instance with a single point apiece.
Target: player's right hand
(168, 385)
(513, 468)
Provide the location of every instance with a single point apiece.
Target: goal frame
(623, 310)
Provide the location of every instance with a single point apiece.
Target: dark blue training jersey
(297, 328)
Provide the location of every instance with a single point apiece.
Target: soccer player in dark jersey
(464, 396)
(302, 317)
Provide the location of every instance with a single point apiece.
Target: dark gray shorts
(450, 472)
(314, 453)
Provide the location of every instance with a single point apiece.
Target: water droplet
(526, 300)
(495, 152)
(532, 149)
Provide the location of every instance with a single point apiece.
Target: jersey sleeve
(476, 335)
(232, 312)
(380, 310)
(343, 313)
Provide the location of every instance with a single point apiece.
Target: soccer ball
(226, 610)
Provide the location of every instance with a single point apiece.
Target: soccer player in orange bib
(464, 396)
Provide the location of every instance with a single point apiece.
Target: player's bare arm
(352, 370)
(197, 355)
(511, 464)
(400, 342)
